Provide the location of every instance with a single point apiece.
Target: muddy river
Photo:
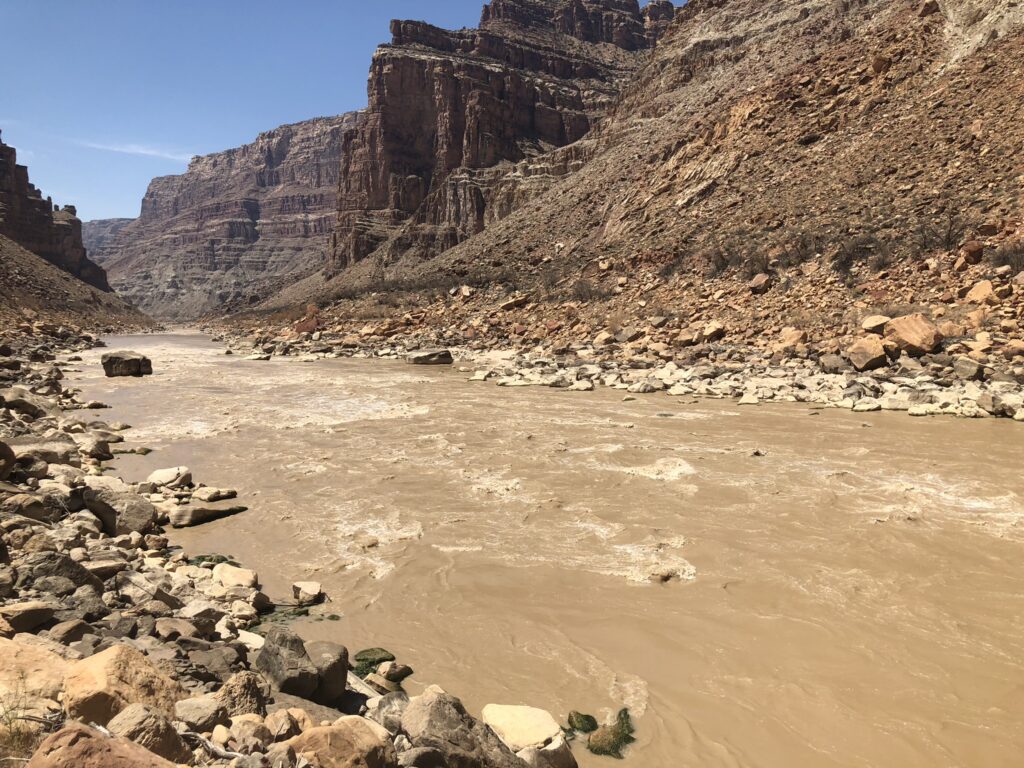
(844, 589)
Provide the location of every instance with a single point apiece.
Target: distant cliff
(34, 223)
(233, 221)
(447, 107)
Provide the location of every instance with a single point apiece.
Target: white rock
(172, 477)
(232, 576)
(520, 727)
(307, 592)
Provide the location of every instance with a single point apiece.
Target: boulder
(201, 713)
(29, 671)
(351, 742)
(101, 686)
(56, 449)
(172, 477)
(983, 292)
(79, 746)
(188, 515)
(612, 738)
(435, 720)
(307, 592)
(126, 363)
(430, 357)
(331, 662)
(152, 730)
(26, 616)
(713, 331)
(521, 727)
(244, 693)
(286, 664)
(232, 576)
(555, 754)
(118, 506)
(914, 334)
(8, 461)
(875, 323)
(760, 283)
(867, 354)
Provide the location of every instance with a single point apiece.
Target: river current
(761, 586)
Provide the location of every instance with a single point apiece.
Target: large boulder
(188, 515)
(915, 334)
(126, 363)
(437, 721)
(202, 713)
(29, 671)
(26, 616)
(351, 742)
(172, 477)
(101, 686)
(79, 746)
(521, 727)
(331, 662)
(118, 506)
(152, 730)
(245, 693)
(284, 661)
(867, 354)
(55, 449)
(430, 357)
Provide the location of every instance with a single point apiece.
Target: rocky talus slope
(50, 232)
(231, 224)
(783, 181)
(454, 117)
(33, 290)
(120, 649)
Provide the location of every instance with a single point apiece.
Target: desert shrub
(800, 247)
(584, 290)
(756, 263)
(673, 265)
(855, 250)
(944, 232)
(1011, 255)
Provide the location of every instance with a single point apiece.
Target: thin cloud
(138, 149)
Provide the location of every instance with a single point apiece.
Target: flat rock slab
(188, 515)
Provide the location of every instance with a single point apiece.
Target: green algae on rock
(611, 739)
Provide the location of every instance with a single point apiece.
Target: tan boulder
(150, 729)
(79, 746)
(351, 742)
(97, 688)
(31, 678)
(233, 576)
(521, 727)
(790, 339)
(875, 323)
(867, 354)
(713, 331)
(914, 334)
(982, 293)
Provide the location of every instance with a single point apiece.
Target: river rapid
(843, 589)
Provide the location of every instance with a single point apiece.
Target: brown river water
(852, 597)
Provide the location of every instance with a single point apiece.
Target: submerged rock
(612, 738)
(581, 722)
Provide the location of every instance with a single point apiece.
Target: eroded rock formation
(234, 220)
(452, 117)
(32, 221)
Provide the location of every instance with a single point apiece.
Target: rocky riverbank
(900, 364)
(121, 649)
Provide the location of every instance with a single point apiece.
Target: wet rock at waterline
(612, 738)
(430, 357)
(126, 364)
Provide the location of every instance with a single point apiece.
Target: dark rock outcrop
(233, 220)
(34, 223)
(448, 108)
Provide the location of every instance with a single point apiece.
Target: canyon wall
(36, 224)
(232, 224)
(451, 114)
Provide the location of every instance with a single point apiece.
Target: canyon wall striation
(455, 118)
(234, 221)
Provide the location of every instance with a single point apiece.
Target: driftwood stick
(210, 747)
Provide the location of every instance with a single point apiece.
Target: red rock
(867, 354)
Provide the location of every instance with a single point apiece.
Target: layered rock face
(99, 233)
(870, 132)
(455, 118)
(234, 221)
(37, 225)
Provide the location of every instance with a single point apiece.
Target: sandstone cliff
(452, 115)
(233, 221)
(100, 233)
(53, 233)
(870, 132)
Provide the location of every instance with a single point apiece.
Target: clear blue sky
(100, 96)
